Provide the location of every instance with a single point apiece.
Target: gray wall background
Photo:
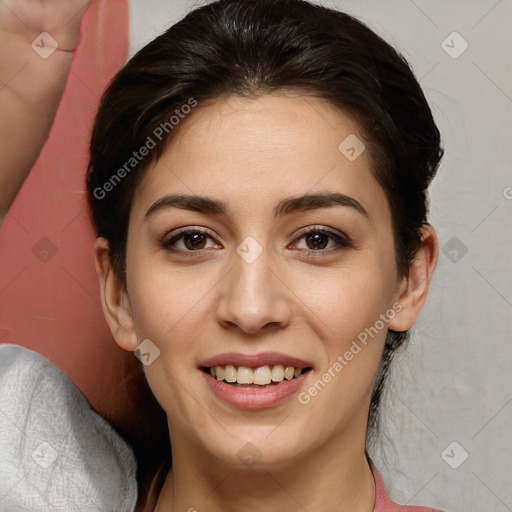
(453, 383)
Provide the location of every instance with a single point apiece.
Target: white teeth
(230, 373)
(244, 375)
(261, 376)
(289, 372)
(277, 373)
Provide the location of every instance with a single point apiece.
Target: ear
(413, 289)
(114, 298)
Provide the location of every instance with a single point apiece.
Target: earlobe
(114, 298)
(413, 289)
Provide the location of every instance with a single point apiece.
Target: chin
(256, 448)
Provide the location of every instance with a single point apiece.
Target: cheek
(347, 300)
(355, 306)
(165, 301)
(353, 349)
(168, 308)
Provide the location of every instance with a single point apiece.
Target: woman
(258, 183)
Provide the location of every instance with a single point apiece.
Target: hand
(26, 19)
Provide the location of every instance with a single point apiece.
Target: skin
(252, 153)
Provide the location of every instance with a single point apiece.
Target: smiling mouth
(254, 378)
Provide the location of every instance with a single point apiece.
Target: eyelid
(168, 237)
(324, 229)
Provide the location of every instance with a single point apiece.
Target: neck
(328, 479)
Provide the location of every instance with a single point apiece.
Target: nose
(253, 298)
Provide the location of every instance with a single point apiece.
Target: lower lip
(251, 398)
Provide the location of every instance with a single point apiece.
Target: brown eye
(189, 241)
(322, 241)
(317, 240)
(194, 241)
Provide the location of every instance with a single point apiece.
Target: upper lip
(254, 360)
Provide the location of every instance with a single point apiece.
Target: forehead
(252, 151)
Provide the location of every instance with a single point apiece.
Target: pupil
(317, 239)
(194, 241)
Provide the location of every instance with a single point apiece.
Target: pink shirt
(383, 502)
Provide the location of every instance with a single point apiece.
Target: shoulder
(56, 452)
(383, 503)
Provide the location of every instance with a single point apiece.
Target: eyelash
(343, 241)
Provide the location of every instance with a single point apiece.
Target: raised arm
(33, 74)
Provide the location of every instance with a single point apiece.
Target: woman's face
(286, 260)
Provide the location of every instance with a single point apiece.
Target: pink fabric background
(49, 296)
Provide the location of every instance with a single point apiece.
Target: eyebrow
(208, 205)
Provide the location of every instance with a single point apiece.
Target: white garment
(56, 453)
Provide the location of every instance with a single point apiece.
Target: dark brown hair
(254, 47)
